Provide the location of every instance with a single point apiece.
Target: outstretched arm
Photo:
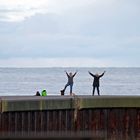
(66, 73)
(102, 74)
(75, 73)
(91, 73)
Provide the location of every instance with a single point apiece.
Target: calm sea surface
(26, 81)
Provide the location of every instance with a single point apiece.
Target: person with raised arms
(96, 82)
(69, 83)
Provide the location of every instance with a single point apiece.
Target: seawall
(104, 117)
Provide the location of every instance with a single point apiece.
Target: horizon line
(70, 67)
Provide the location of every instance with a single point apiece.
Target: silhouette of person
(69, 83)
(37, 93)
(96, 82)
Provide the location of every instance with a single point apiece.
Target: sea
(26, 81)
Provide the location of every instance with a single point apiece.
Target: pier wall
(106, 116)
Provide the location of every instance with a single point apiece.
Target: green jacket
(44, 93)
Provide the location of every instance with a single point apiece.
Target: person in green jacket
(44, 93)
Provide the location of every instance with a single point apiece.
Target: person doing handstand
(69, 83)
(96, 82)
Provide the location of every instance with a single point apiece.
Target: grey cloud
(106, 31)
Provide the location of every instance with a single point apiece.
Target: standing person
(69, 83)
(96, 83)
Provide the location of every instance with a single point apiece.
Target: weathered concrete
(30, 103)
(109, 102)
(112, 117)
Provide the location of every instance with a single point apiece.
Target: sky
(69, 33)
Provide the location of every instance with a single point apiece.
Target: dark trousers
(97, 87)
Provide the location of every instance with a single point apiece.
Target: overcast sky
(91, 33)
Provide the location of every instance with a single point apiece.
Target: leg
(62, 91)
(71, 85)
(98, 91)
(65, 87)
(93, 91)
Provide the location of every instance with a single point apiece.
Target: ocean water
(26, 81)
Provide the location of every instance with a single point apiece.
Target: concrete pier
(102, 117)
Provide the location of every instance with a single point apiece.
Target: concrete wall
(106, 116)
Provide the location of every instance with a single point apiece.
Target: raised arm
(75, 73)
(66, 73)
(102, 74)
(91, 73)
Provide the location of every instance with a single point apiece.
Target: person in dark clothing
(96, 82)
(37, 93)
(69, 83)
